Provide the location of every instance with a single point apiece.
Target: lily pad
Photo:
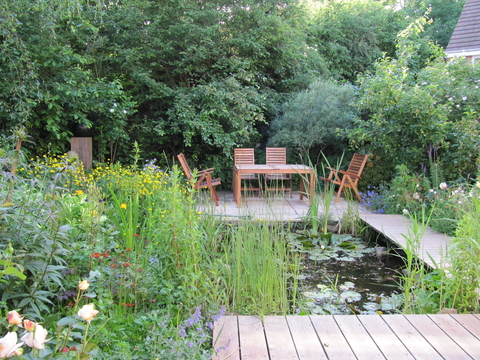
(351, 296)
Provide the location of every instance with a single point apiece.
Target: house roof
(466, 36)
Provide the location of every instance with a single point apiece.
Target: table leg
(302, 186)
(237, 186)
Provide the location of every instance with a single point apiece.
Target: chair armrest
(204, 172)
(349, 174)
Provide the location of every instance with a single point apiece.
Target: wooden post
(83, 147)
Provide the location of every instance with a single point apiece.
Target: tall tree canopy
(351, 35)
(181, 75)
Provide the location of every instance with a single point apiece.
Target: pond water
(343, 275)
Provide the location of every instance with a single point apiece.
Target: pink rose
(36, 338)
(8, 345)
(83, 285)
(29, 325)
(14, 318)
(87, 312)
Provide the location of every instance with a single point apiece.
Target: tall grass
(454, 283)
(414, 270)
(259, 269)
(464, 259)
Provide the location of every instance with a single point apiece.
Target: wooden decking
(432, 246)
(423, 337)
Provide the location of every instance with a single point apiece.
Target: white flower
(112, 110)
(416, 196)
(8, 345)
(35, 338)
(443, 186)
(87, 312)
(464, 98)
(406, 212)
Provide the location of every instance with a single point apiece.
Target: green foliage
(378, 171)
(31, 226)
(45, 64)
(409, 111)
(352, 35)
(443, 13)
(316, 119)
(464, 256)
(219, 115)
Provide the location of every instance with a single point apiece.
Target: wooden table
(307, 172)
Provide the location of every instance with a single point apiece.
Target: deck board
(432, 246)
(305, 338)
(331, 338)
(461, 336)
(471, 323)
(253, 344)
(225, 335)
(279, 340)
(385, 339)
(411, 338)
(339, 337)
(361, 343)
(438, 338)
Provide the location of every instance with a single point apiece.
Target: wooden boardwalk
(432, 247)
(337, 337)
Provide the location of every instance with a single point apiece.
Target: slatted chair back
(348, 179)
(203, 178)
(357, 164)
(278, 156)
(185, 166)
(246, 156)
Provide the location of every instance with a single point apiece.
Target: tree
(352, 35)
(316, 119)
(47, 82)
(443, 13)
(424, 116)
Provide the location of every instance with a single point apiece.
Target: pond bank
(432, 247)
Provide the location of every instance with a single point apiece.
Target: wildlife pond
(341, 274)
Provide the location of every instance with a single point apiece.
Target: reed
(260, 268)
(464, 259)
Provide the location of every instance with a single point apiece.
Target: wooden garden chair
(348, 179)
(278, 156)
(203, 178)
(246, 156)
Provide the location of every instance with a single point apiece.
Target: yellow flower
(79, 192)
(83, 285)
(478, 184)
(123, 206)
